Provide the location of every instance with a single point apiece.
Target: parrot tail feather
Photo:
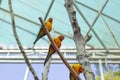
(33, 49)
(47, 58)
(33, 46)
(35, 41)
(38, 37)
(71, 76)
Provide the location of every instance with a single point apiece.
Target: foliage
(111, 76)
(112, 67)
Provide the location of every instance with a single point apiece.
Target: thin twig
(58, 51)
(20, 45)
(87, 38)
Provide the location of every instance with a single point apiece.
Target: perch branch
(20, 45)
(59, 53)
(82, 57)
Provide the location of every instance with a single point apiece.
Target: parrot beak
(62, 37)
(50, 19)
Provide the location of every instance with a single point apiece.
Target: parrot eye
(50, 19)
(62, 37)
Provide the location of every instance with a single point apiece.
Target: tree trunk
(82, 57)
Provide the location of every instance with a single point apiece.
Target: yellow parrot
(42, 33)
(78, 69)
(52, 50)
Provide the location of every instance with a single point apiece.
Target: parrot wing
(47, 58)
(50, 52)
(40, 34)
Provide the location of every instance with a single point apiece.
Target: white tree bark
(80, 42)
(46, 70)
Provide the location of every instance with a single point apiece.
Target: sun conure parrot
(78, 69)
(52, 50)
(42, 33)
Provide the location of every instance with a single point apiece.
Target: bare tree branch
(59, 53)
(46, 70)
(82, 57)
(20, 45)
(87, 38)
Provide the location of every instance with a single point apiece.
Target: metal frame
(100, 13)
(93, 23)
(14, 56)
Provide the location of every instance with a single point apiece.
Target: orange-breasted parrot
(52, 50)
(42, 33)
(78, 69)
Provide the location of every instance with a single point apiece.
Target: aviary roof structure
(99, 18)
